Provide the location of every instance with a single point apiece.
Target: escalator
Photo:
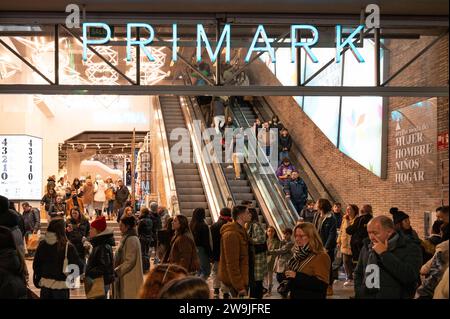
(189, 186)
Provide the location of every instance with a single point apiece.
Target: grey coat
(283, 254)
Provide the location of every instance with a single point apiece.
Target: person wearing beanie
(101, 259)
(403, 223)
(225, 217)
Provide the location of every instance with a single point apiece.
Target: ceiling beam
(230, 90)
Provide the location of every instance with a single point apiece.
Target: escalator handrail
(303, 156)
(287, 205)
(218, 169)
(274, 181)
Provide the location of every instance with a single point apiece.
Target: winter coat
(327, 230)
(398, 270)
(157, 224)
(282, 256)
(101, 260)
(284, 143)
(88, 194)
(110, 192)
(441, 291)
(202, 238)
(218, 108)
(298, 190)
(70, 204)
(80, 230)
(284, 170)
(433, 272)
(49, 261)
(12, 280)
(234, 255)
(272, 244)
(358, 231)
(183, 252)
(122, 194)
(128, 268)
(216, 237)
(48, 201)
(32, 220)
(312, 281)
(145, 228)
(257, 236)
(344, 239)
(308, 215)
(100, 188)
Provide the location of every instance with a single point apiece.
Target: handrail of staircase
(219, 174)
(169, 179)
(271, 191)
(302, 155)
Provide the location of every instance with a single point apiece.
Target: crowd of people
(382, 256)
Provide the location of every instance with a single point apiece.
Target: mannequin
(99, 197)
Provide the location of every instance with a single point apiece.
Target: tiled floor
(340, 292)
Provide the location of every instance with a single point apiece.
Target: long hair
(186, 288)
(184, 224)
(57, 226)
(275, 236)
(198, 220)
(324, 205)
(315, 242)
(158, 277)
(354, 208)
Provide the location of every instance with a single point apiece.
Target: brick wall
(348, 181)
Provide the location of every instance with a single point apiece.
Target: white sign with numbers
(21, 167)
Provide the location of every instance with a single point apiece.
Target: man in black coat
(297, 191)
(225, 217)
(389, 263)
(145, 233)
(122, 194)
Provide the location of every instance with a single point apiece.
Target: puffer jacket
(398, 270)
(12, 281)
(344, 238)
(101, 260)
(234, 255)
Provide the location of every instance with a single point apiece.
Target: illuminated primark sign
(225, 37)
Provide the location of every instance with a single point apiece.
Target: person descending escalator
(145, 233)
(297, 191)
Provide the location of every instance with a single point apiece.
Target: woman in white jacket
(99, 197)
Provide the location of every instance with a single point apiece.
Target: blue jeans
(110, 208)
(205, 266)
(282, 155)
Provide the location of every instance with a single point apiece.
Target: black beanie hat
(398, 215)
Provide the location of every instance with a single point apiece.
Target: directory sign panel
(21, 167)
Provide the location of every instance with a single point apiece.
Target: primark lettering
(256, 45)
(408, 155)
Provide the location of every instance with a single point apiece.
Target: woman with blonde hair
(309, 268)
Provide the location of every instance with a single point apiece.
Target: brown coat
(184, 253)
(233, 263)
(319, 267)
(344, 238)
(70, 205)
(88, 194)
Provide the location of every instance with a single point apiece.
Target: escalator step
(190, 191)
(187, 178)
(191, 198)
(184, 171)
(192, 205)
(243, 196)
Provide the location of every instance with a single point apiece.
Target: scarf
(301, 256)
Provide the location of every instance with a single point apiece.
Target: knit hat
(99, 224)
(398, 215)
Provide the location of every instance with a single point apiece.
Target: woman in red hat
(100, 262)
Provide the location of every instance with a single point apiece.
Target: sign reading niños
(414, 146)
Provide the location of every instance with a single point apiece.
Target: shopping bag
(94, 288)
(33, 242)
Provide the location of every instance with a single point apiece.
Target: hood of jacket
(9, 261)
(233, 227)
(50, 238)
(103, 238)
